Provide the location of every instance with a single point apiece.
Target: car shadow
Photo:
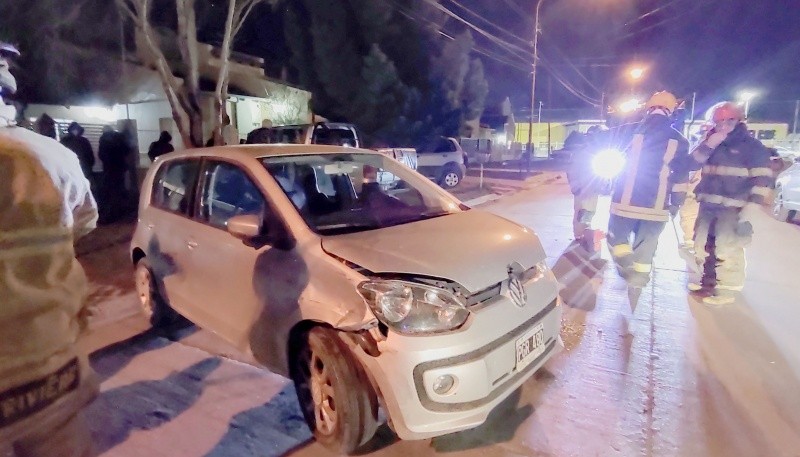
(145, 405)
(272, 429)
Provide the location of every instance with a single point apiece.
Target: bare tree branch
(243, 10)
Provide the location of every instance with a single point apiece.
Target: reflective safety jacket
(45, 203)
(656, 172)
(735, 173)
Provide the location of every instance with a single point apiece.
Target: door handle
(191, 244)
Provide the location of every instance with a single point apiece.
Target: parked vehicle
(787, 193)
(348, 284)
(443, 162)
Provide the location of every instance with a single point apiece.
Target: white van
(368, 293)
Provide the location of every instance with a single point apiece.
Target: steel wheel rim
(143, 284)
(451, 179)
(322, 394)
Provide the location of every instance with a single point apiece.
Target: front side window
(343, 193)
(228, 191)
(174, 186)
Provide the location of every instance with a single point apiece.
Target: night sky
(712, 47)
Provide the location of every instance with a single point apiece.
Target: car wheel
(151, 304)
(337, 401)
(451, 177)
(779, 209)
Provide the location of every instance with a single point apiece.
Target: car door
(226, 286)
(168, 220)
(791, 190)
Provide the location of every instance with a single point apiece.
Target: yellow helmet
(662, 99)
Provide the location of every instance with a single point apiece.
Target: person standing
(163, 145)
(113, 152)
(77, 143)
(651, 187)
(45, 204)
(736, 180)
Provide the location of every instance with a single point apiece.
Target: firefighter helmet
(726, 110)
(662, 99)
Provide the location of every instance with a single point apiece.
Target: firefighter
(736, 180)
(45, 203)
(584, 186)
(651, 187)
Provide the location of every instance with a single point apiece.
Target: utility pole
(796, 114)
(691, 116)
(603, 106)
(533, 74)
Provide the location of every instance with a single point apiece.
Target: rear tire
(451, 177)
(153, 307)
(337, 400)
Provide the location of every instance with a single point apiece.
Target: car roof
(258, 151)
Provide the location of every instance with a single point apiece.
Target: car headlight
(608, 163)
(412, 308)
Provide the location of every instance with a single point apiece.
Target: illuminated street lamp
(745, 97)
(636, 73)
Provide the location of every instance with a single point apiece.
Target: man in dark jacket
(161, 146)
(650, 188)
(736, 180)
(77, 143)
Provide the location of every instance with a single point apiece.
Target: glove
(715, 139)
(744, 229)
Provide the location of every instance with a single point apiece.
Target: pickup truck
(443, 161)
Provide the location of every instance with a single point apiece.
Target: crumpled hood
(473, 248)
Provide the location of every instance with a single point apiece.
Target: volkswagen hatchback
(358, 278)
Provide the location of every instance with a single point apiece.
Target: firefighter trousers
(70, 439)
(688, 213)
(716, 241)
(633, 244)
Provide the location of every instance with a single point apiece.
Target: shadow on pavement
(110, 360)
(146, 405)
(272, 429)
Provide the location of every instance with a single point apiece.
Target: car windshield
(344, 193)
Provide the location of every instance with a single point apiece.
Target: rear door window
(174, 186)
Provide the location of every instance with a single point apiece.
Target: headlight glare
(412, 308)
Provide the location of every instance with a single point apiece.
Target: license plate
(530, 346)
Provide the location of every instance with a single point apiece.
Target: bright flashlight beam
(608, 163)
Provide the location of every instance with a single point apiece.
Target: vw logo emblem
(517, 292)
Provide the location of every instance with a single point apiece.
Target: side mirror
(245, 227)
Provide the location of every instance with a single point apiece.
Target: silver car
(368, 293)
(787, 193)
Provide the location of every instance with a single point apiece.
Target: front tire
(337, 401)
(152, 306)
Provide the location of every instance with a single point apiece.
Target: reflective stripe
(681, 187)
(642, 267)
(732, 288)
(621, 250)
(32, 241)
(633, 167)
(663, 176)
(637, 212)
(720, 200)
(756, 172)
(764, 191)
(721, 170)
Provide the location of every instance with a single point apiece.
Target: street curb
(531, 183)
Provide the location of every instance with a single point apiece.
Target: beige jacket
(45, 203)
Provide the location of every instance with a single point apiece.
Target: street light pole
(533, 74)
